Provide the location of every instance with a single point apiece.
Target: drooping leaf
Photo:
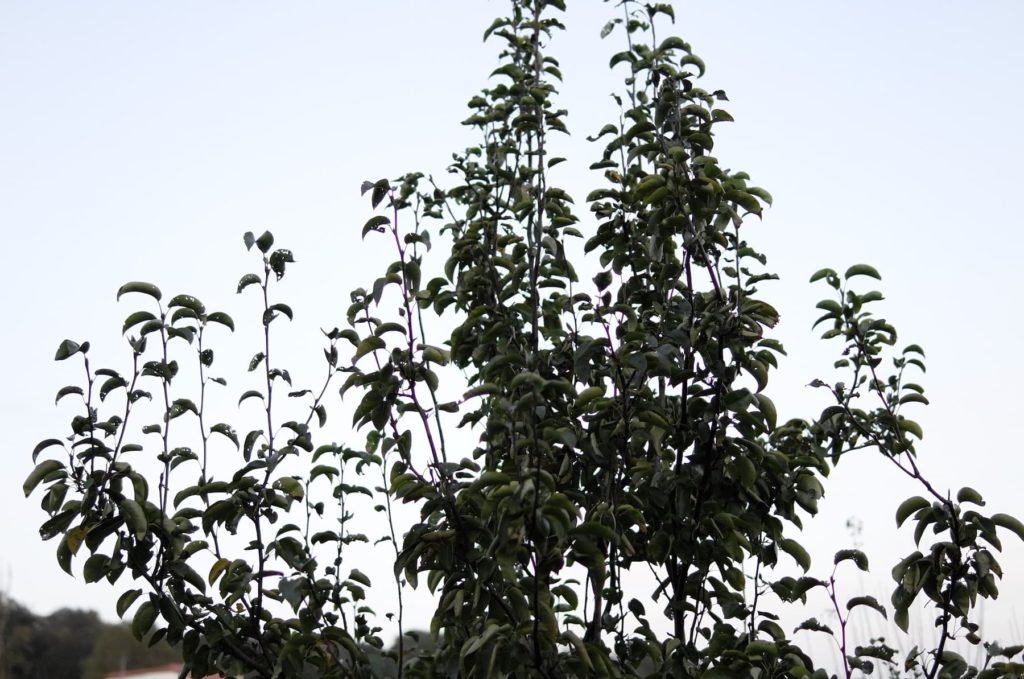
(135, 517)
(41, 471)
(797, 551)
(222, 318)
(216, 569)
(375, 223)
(141, 287)
(69, 391)
(125, 601)
(188, 302)
(968, 494)
(862, 270)
(135, 318)
(368, 345)
(1010, 523)
(858, 557)
(247, 280)
(908, 507)
(868, 601)
(143, 620)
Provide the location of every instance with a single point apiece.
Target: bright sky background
(140, 140)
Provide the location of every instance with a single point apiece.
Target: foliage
(622, 425)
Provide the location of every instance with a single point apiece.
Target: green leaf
(139, 286)
(247, 280)
(587, 395)
(796, 550)
(278, 260)
(187, 573)
(143, 621)
(68, 391)
(252, 393)
(902, 618)
(43, 445)
(282, 308)
(225, 430)
(375, 223)
(42, 470)
(134, 517)
(911, 427)
(369, 344)
(908, 507)
(125, 601)
(694, 60)
(218, 567)
(222, 318)
(913, 397)
(868, 601)
(95, 567)
(822, 273)
(967, 494)
(136, 318)
(64, 555)
(265, 242)
(435, 355)
(855, 555)
(862, 270)
(360, 577)
(66, 350)
(110, 384)
(603, 279)
(486, 389)
(379, 191)
(1010, 523)
(188, 302)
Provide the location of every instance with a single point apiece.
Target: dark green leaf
(188, 302)
(908, 507)
(41, 471)
(136, 318)
(143, 621)
(367, 345)
(125, 601)
(855, 555)
(375, 223)
(862, 270)
(1010, 523)
(265, 242)
(222, 318)
(66, 350)
(68, 391)
(134, 517)
(796, 550)
(247, 280)
(139, 286)
(822, 273)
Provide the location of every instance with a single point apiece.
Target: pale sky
(140, 140)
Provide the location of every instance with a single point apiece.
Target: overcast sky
(140, 140)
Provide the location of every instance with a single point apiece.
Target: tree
(44, 646)
(622, 425)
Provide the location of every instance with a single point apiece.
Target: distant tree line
(69, 644)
